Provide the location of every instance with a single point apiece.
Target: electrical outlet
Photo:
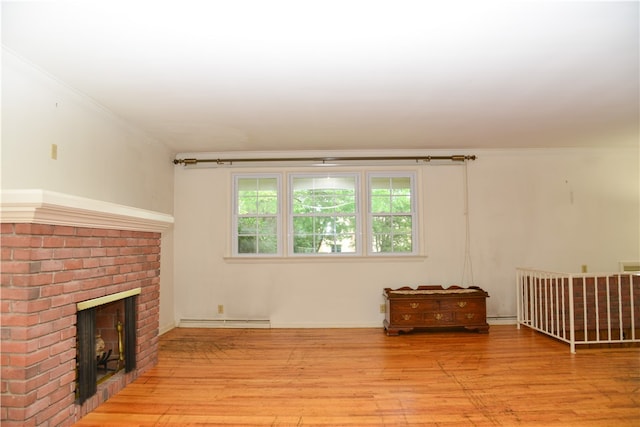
(54, 151)
(383, 308)
(220, 309)
(584, 268)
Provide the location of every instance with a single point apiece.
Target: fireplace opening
(106, 340)
(109, 339)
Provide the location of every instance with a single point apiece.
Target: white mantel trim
(48, 207)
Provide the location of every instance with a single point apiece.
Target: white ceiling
(259, 75)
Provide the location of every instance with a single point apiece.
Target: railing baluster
(620, 315)
(584, 306)
(596, 295)
(557, 307)
(572, 319)
(632, 309)
(609, 331)
(534, 305)
(545, 308)
(564, 321)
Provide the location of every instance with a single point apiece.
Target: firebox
(94, 355)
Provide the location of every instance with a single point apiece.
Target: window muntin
(324, 214)
(257, 215)
(392, 214)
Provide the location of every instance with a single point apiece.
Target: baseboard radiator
(225, 323)
(596, 308)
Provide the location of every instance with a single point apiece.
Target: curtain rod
(193, 161)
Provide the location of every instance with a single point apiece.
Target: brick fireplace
(46, 270)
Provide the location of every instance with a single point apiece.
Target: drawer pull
(438, 316)
(462, 304)
(415, 304)
(470, 315)
(406, 316)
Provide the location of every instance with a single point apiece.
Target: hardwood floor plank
(361, 377)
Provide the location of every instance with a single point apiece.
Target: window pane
(247, 244)
(257, 214)
(401, 203)
(302, 224)
(267, 204)
(380, 203)
(323, 214)
(247, 204)
(304, 244)
(380, 183)
(391, 208)
(381, 243)
(268, 244)
(401, 185)
(402, 224)
(257, 196)
(258, 184)
(402, 243)
(247, 225)
(268, 225)
(381, 224)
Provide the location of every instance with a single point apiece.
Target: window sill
(323, 258)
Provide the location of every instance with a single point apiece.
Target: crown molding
(48, 207)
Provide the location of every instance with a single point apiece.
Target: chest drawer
(405, 318)
(468, 317)
(462, 304)
(439, 318)
(411, 306)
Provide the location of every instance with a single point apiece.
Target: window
(324, 214)
(391, 214)
(257, 215)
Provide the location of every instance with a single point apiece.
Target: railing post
(572, 320)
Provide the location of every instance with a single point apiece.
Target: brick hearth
(46, 270)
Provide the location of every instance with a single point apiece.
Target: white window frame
(359, 243)
(235, 215)
(364, 215)
(415, 250)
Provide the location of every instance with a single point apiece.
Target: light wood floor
(361, 377)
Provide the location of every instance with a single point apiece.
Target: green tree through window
(391, 208)
(257, 209)
(324, 214)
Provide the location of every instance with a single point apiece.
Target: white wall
(99, 156)
(549, 209)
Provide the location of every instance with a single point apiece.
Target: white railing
(596, 308)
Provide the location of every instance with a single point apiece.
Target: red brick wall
(46, 270)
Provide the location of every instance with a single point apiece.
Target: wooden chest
(435, 307)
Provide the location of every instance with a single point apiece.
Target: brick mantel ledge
(48, 207)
